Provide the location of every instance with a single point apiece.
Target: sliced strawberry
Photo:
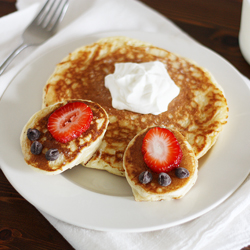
(161, 150)
(70, 121)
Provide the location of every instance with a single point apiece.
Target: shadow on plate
(98, 181)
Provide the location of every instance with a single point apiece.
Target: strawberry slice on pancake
(69, 121)
(161, 150)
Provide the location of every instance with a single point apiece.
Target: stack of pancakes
(199, 112)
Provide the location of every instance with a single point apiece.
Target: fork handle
(9, 59)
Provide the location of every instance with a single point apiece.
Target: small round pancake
(72, 153)
(134, 164)
(199, 112)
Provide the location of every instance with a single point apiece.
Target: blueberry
(36, 148)
(145, 177)
(181, 173)
(164, 179)
(33, 134)
(52, 154)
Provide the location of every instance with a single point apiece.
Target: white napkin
(225, 227)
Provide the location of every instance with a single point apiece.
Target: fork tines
(51, 13)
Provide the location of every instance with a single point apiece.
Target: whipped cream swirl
(141, 87)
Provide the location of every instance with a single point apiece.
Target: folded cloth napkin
(225, 227)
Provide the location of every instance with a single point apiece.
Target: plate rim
(144, 229)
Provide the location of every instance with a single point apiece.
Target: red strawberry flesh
(161, 150)
(70, 121)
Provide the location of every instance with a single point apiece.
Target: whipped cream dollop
(144, 88)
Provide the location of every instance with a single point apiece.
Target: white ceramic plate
(98, 200)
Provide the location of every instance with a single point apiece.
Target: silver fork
(41, 28)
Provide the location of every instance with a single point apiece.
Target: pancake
(72, 153)
(199, 112)
(134, 164)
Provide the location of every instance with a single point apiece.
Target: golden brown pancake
(134, 164)
(199, 112)
(72, 153)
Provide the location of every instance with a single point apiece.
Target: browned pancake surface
(198, 112)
